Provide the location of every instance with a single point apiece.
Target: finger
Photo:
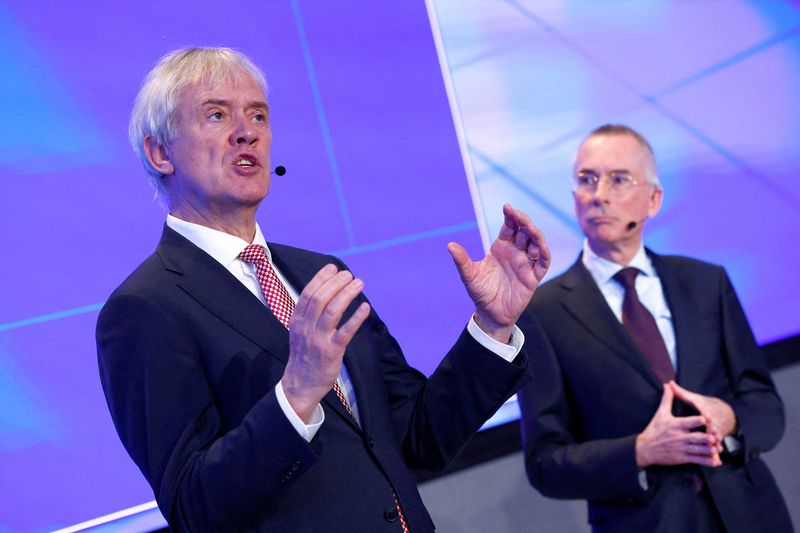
(710, 461)
(509, 228)
(324, 274)
(542, 259)
(714, 431)
(688, 423)
(535, 239)
(344, 334)
(334, 310)
(521, 240)
(701, 438)
(461, 259)
(324, 294)
(703, 450)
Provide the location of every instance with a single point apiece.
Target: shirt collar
(602, 270)
(223, 247)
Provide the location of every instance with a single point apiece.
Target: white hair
(159, 96)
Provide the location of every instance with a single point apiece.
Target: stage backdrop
(362, 121)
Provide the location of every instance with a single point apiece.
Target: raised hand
(722, 419)
(316, 345)
(503, 282)
(669, 440)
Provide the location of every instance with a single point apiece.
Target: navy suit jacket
(592, 393)
(189, 360)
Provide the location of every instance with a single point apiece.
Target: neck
(241, 224)
(619, 253)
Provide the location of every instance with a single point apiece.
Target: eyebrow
(613, 171)
(257, 104)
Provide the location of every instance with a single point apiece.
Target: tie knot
(627, 277)
(253, 253)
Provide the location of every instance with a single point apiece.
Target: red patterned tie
(282, 306)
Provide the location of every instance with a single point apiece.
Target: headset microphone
(633, 223)
(280, 170)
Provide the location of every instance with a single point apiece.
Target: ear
(157, 156)
(654, 205)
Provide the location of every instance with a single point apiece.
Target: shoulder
(297, 254)
(285, 254)
(687, 266)
(553, 291)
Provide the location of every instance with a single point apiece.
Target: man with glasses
(650, 398)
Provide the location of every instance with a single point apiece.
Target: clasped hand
(670, 440)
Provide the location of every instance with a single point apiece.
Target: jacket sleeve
(434, 417)
(558, 463)
(758, 408)
(204, 478)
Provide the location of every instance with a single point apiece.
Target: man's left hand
(502, 283)
(720, 414)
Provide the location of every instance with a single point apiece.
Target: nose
(243, 132)
(602, 192)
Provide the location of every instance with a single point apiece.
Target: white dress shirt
(648, 288)
(225, 249)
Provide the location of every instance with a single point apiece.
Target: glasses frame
(617, 189)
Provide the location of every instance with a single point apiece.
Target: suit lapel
(585, 302)
(206, 281)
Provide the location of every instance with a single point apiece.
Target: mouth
(246, 161)
(601, 219)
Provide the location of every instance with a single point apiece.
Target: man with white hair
(649, 398)
(252, 383)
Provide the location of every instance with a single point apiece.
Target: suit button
(390, 514)
(687, 482)
(371, 442)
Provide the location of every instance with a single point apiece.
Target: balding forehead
(647, 160)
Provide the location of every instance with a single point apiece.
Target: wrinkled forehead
(229, 86)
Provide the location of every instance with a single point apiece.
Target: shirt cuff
(307, 431)
(506, 351)
(643, 479)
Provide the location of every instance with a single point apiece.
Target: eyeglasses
(618, 182)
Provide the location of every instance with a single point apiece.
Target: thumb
(666, 400)
(461, 259)
(681, 393)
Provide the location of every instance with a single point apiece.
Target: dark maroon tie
(642, 328)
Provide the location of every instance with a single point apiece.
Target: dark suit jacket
(592, 393)
(189, 360)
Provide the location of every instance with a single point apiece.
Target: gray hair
(651, 171)
(158, 98)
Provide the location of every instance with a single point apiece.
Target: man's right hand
(316, 346)
(669, 440)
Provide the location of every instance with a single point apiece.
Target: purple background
(360, 120)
